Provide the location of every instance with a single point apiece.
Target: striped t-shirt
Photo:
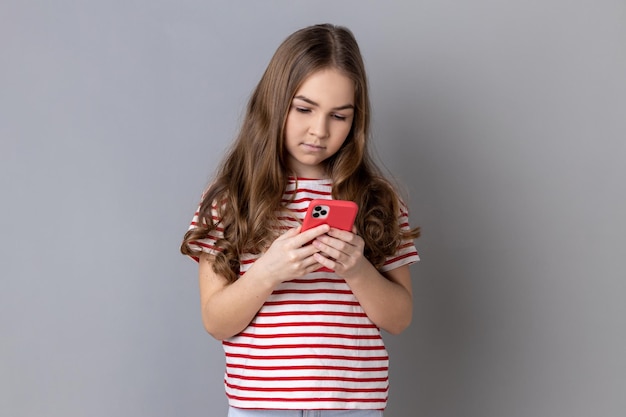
(311, 345)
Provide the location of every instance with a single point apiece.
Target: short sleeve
(208, 244)
(407, 252)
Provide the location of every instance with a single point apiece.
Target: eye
(339, 117)
(302, 109)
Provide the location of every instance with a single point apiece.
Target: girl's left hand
(341, 251)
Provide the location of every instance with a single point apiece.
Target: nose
(319, 127)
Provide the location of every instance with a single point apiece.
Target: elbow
(215, 331)
(400, 322)
(219, 330)
(216, 334)
(398, 326)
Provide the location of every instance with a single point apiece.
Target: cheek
(290, 128)
(345, 130)
(293, 124)
(341, 138)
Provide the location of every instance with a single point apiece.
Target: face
(318, 122)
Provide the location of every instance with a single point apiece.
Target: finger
(313, 267)
(306, 251)
(323, 261)
(311, 264)
(341, 234)
(311, 234)
(290, 233)
(335, 242)
(347, 237)
(327, 249)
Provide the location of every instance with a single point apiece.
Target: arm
(386, 298)
(227, 309)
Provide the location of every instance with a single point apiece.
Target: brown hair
(249, 185)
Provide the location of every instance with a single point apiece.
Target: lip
(312, 147)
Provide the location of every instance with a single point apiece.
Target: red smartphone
(339, 214)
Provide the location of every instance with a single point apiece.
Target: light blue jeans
(243, 412)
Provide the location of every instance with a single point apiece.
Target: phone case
(339, 214)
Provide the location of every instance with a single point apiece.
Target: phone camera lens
(319, 211)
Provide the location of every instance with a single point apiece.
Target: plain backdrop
(505, 121)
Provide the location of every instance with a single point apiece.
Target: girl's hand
(290, 256)
(342, 252)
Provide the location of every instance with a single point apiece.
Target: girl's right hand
(290, 256)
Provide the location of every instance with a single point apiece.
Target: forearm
(230, 309)
(387, 303)
(227, 309)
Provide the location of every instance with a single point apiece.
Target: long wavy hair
(248, 187)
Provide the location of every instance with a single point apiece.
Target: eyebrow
(312, 103)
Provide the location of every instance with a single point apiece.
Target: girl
(299, 314)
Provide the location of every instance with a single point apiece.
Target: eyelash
(334, 116)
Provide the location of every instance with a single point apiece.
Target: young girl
(299, 313)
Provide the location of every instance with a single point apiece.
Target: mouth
(313, 147)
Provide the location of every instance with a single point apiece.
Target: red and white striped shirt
(311, 345)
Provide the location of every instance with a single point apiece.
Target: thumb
(290, 233)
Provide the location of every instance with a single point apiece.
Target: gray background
(505, 121)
